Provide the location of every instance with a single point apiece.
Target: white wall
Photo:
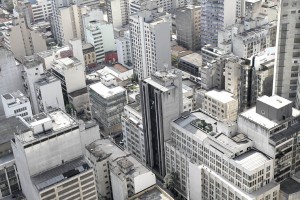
(143, 181)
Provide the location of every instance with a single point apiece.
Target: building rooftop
(193, 58)
(251, 160)
(275, 101)
(221, 96)
(10, 126)
(46, 80)
(60, 122)
(152, 193)
(290, 186)
(87, 46)
(60, 173)
(78, 92)
(252, 115)
(106, 92)
(65, 63)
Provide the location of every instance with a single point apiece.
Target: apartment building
(215, 16)
(150, 42)
(16, 104)
(41, 10)
(188, 27)
(63, 171)
(273, 124)
(123, 45)
(161, 101)
(108, 102)
(101, 35)
(22, 40)
(133, 132)
(89, 55)
(287, 57)
(117, 12)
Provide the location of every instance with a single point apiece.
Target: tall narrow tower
(288, 50)
(161, 101)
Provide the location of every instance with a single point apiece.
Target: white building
(16, 104)
(41, 10)
(49, 164)
(10, 73)
(220, 104)
(49, 94)
(150, 42)
(117, 12)
(101, 35)
(133, 132)
(68, 23)
(123, 45)
(273, 124)
(200, 139)
(119, 169)
(206, 183)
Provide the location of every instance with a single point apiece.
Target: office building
(16, 104)
(198, 139)
(161, 101)
(133, 132)
(210, 53)
(107, 106)
(123, 45)
(188, 27)
(221, 105)
(215, 16)
(101, 35)
(117, 12)
(118, 174)
(150, 42)
(287, 56)
(273, 124)
(51, 174)
(41, 10)
(22, 40)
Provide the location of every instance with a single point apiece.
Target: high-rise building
(188, 27)
(161, 100)
(215, 16)
(41, 10)
(108, 102)
(287, 55)
(150, 42)
(16, 104)
(101, 35)
(49, 158)
(124, 49)
(117, 12)
(22, 40)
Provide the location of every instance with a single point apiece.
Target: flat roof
(252, 115)
(275, 101)
(152, 193)
(79, 92)
(290, 186)
(60, 173)
(60, 121)
(46, 80)
(193, 58)
(251, 160)
(105, 91)
(10, 126)
(221, 96)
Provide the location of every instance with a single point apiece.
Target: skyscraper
(150, 40)
(288, 50)
(161, 99)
